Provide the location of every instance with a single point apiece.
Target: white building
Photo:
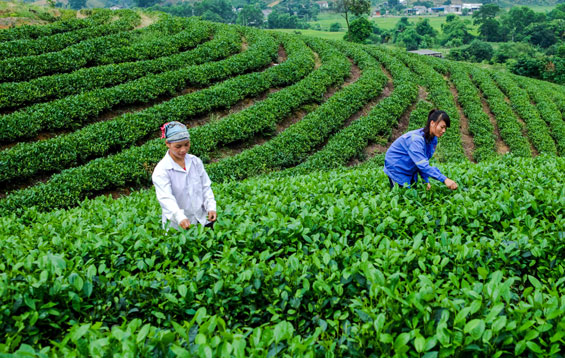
(416, 10)
(472, 7)
(454, 9)
(323, 4)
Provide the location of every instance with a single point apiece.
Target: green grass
(321, 34)
(537, 8)
(386, 23)
(541, 8)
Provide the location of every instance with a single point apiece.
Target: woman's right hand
(450, 184)
(185, 224)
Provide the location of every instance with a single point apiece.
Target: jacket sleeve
(417, 152)
(208, 195)
(165, 196)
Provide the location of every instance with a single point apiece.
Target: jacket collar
(421, 132)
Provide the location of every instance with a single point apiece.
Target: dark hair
(435, 115)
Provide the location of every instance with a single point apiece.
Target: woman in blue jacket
(409, 155)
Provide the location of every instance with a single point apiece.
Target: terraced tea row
(330, 135)
(224, 94)
(15, 94)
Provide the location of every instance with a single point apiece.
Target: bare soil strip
(466, 137)
(501, 147)
(317, 61)
(145, 21)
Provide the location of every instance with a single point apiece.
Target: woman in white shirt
(181, 183)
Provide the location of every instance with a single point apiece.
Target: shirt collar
(171, 164)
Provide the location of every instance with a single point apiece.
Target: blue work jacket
(409, 156)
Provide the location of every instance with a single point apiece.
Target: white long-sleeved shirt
(183, 194)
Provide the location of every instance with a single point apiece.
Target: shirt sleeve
(416, 151)
(425, 177)
(164, 192)
(208, 195)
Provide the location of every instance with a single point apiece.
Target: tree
(541, 34)
(222, 8)
(209, 15)
(457, 54)
(555, 70)
(359, 31)
(489, 27)
(423, 28)
(411, 39)
(455, 30)
(490, 30)
(335, 27)
(250, 15)
(182, 9)
(517, 19)
(479, 51)
(424, 3)
(485, 12)
(558, 28)
(400, 27)
(515, 50)
(279, 20)
(557, 13)
(527, 66)
(77, 4)
(305, 10)
(355, 7)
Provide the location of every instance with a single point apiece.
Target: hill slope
(292, 101)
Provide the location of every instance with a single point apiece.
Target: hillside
(313, 254)
(85, 119)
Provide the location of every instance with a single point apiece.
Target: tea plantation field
(313, 254)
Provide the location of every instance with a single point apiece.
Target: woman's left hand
(212, 216)
(429, 186)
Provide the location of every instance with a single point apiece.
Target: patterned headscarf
(174, 132)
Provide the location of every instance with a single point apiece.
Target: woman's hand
(185, 224)
(212, 216)
(450, 184)
(429, 186)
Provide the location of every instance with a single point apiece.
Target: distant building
(428, 53)
(323, 5)
(472, 7)
(416, 10)
(116, 7)
(421, 10)
(437, 10)
(453, 9)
